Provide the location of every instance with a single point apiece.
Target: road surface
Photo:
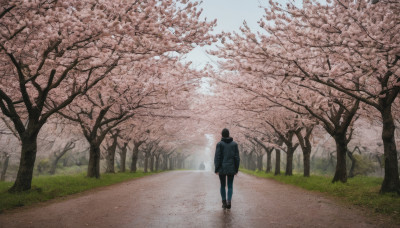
(191, 199)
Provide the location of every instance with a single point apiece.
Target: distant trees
(5, 157)
(58, 154)
(122, 154)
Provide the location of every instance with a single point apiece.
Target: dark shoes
(228, 204)
(224, 205)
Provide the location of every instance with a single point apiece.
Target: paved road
(191, 199)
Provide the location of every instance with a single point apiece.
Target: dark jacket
(226, 159)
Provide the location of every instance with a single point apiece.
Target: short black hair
(225, 133)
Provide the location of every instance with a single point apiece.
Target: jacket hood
(227, 140)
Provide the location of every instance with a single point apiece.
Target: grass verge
(49, 187)
(360, 190)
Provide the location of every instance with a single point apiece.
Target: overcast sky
(230, 15)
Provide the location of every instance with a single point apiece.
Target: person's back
(226, 161)
(227, 157)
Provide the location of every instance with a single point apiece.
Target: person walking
(226, 161)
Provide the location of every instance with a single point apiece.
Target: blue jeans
(222, 179)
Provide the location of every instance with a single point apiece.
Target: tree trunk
(123, 157)
(306, 146)
(26, 164)
(341, 150)
(110, 157)
(307, 163)
(259, 162)
(157, 161)
(94, 162)
(246, 161)
(391, 181)
(110, 160)
(277, 162)
(171, 165)
(165, 162)
(65, 162)
(269, 165)
(353, 164)
(4, 169)
(254, 163)
(152, 163)
(146, 162)
(289, 161)
(243, 160)
(54, 165)
(249, 161)
(135, 153)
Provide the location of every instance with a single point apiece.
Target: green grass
(49, 187)
(360, 190)
(70, 170)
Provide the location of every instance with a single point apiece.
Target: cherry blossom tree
(40, 61)
(352, 47)
(285, 127)
(53, 52)
(349, 46)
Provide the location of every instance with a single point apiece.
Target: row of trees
(150, 157)
(111, 71)
(360, 161)
(319, 64)
(96, 64)
(62, 142)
